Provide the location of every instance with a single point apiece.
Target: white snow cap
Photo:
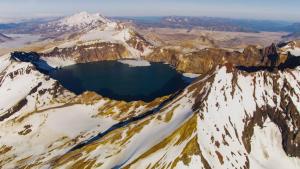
(83, 19)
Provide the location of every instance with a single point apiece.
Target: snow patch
(267, 151)
(59, 62)
(295, 51)
(135, 63)
(191, 75)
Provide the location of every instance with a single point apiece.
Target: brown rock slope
(201, 61)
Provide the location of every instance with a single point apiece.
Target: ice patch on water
(191, 75)
(135, 63)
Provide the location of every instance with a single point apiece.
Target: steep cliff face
(201, 61)
(88, 53)
(197, 61)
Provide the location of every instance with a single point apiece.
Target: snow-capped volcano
(92, 33)
(83, 19)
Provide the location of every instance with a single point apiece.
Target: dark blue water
(121, 82)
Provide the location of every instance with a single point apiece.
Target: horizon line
(26, 19)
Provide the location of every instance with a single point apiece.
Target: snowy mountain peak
(77, 22)
(83, 19)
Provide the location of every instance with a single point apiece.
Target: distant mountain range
(295, 29)
(207, 23)
(214, 23)
(25, 26)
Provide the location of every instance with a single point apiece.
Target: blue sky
(254, 9)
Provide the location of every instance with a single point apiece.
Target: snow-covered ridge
(207, 126)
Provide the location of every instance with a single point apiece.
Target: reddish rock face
(99, 51)
(202, 61)
(90, 53)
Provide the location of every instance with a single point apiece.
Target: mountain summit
(78, 22)
(83, 19)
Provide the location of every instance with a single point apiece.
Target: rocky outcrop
(138, 42)
(33, 58)
(270, 56)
